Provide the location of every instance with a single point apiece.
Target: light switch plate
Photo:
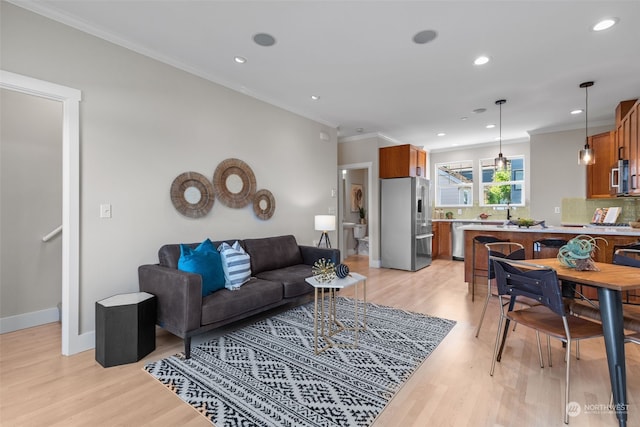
(105, 210)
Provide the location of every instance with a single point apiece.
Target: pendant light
(500, 161)
(586, 156)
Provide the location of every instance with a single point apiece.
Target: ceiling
(360, 59)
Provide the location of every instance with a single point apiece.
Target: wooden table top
(611, 276)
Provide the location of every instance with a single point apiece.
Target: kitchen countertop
(481, 221)
(618, 231)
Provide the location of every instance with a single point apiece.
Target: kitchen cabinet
(400, 161)
(599, 174)
(441, 240)
(628, 141)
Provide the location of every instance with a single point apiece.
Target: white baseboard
(29, 320)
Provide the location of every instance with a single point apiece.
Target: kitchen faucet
(508, 214)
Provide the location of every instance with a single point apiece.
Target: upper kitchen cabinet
(599, 174)
(628, 140)
(400, 161)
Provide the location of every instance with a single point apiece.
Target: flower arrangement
(323, 270)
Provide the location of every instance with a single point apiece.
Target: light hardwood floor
(40, 387)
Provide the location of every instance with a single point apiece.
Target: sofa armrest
(311, 254)
(178, 294)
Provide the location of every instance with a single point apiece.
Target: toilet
(360, 234)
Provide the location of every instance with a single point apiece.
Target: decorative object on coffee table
(226, 171)
(192, 194)
(323, 270)
(342, 271)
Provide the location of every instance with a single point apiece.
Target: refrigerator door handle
(424, 236)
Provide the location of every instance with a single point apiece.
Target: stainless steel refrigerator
(405, 222)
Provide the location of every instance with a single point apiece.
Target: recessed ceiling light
(479, 110)
(441, 134)
(359, 130)
(240, 59)
(578, 111)
(425, 36)
(464, 118)
(605, 24)
(315, 97)
(264, 39)
(481, 60)
(491, 126)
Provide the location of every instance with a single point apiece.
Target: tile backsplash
(580, 211)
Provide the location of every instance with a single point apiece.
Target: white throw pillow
(236, 265)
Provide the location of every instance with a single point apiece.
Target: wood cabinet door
(634, 149)
(599, 174)
(422, 164)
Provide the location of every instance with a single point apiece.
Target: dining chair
(547, 248)
(516, 279)
(508, 250)
(476, 259)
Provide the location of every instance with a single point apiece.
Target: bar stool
(480, 241)
(547, 248)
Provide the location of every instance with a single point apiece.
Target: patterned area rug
(267, 374)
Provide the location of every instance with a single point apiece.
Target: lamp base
(324, 236)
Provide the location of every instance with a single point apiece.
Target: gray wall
(31, 207)
(142, 123)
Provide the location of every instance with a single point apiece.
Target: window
(454, 183)
(502, 188)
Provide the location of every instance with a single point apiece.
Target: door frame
(72, 341)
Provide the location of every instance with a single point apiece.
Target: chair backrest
(517, 278)
(547, 248)
(628, 257)
(507, 250)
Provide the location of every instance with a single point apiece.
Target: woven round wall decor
(192, 194)
(266, 197)
(239, 168)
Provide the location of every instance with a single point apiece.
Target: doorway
(355, 200)
(72, 341)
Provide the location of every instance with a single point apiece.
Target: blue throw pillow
(205, 261)
(236, 265)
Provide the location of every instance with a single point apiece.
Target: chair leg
(539, 349)
(566, 391)
(577, 350)
(495, 348)
(484, 309)
(549, 350)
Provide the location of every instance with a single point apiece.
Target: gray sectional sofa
(279, 267)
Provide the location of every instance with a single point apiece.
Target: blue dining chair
(519, 279)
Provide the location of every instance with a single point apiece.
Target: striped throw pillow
(236, 265)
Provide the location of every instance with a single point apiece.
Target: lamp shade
(325, 222)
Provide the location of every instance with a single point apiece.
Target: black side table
(125, 328)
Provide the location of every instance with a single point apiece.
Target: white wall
(31, 181)
(142, 124)
(557, 175)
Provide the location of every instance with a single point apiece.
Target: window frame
(484, 164)
(471, 187)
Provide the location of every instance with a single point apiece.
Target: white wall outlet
(105, 210)
(459, 211)
(333, 192)
(556, 210)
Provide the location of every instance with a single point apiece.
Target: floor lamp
(325, 223)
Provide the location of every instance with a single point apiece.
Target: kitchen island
(615, 236)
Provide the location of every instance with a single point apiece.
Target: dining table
(611, 280)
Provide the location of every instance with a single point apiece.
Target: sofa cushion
(292, 279)
(205, 261)
(168, 255)
(252, 295)
(272, 253)
(236, 264)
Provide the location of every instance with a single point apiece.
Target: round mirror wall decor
(264, 204)
(192, 194)
(226, 183)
